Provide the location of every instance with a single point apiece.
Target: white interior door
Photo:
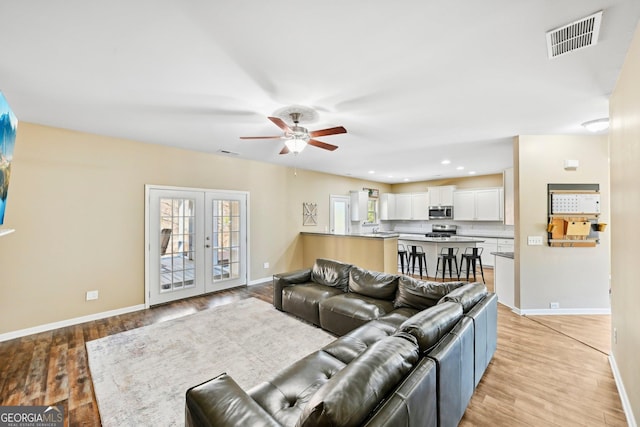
(339, 215)
(197, 242)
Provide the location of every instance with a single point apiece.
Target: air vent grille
(576, 35)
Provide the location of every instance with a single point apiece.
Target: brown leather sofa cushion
(429, 325)
(331, 273)
(347, 399)
(419, 294)
(467, 295)
(373, 284)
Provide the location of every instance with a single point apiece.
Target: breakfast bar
(433, 245)
(373, 251)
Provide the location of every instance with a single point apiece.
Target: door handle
(207, 246)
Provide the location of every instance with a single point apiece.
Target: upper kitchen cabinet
(401, 206)
(484, 204)
(420, 206)
(359, 200)
(387, 206)
(442, 195)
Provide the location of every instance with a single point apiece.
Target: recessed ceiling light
(472, 172)
(406, 179)
(460, 168)
(445, 162)
(372, 171)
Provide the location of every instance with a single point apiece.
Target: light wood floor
(547, 371)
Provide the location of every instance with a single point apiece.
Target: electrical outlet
(554, 305)
(266, 265)
(91, 295)
(534, 240)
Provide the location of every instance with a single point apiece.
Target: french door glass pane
(177, 224)
(226, 241)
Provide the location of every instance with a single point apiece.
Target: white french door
(196, 241)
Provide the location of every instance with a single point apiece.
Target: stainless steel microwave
(440, 212)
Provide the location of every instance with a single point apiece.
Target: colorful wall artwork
(8, 126)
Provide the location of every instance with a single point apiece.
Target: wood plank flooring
(538, 377)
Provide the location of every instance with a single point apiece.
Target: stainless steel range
(442, 230)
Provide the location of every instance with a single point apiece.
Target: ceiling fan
(297, 137)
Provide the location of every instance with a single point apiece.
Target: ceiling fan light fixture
(295, 145)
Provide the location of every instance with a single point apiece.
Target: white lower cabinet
(489, 245)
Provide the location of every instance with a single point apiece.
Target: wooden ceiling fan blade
(285, 150)
(260, 137)
(280, 123)
(321, 144)
(329, 131)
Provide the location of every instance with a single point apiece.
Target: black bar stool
(448, 256)
(469, 258)
(402, 257)
(416, 252)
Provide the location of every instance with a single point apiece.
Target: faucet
(375, 230)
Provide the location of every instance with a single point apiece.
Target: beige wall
(77, 204)
(493, 180)
(577, 278)
(625, 229)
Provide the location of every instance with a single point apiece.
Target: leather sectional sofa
(409, 353)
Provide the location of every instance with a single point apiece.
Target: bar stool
(469, 258)
(416, 252)
(447, 256)
(402, 257)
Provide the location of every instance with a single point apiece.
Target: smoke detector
(576, 35)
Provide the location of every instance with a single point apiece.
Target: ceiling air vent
(576, 35)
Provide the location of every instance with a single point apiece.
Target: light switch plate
(534, 240)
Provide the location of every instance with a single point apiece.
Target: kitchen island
(371, 251)
(433, 245)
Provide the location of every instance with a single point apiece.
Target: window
(372, 211)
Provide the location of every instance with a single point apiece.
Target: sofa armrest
(282, 280)
(221, 402)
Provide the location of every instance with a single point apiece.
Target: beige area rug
(140, 376)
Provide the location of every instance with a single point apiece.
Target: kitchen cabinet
(489, 245)
(441, 196)
(420, 206)
(359, 200)
(387, 206)
(405, 206)
(483, 204)
(464, 205)
(505, 245)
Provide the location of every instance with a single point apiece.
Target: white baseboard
(69, 322)
(558, 311)
(260, 281)
(626, 405)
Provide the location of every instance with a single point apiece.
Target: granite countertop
(503, 254)
(486, 234)
(453, 239)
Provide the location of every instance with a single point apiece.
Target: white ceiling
(414, 82)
